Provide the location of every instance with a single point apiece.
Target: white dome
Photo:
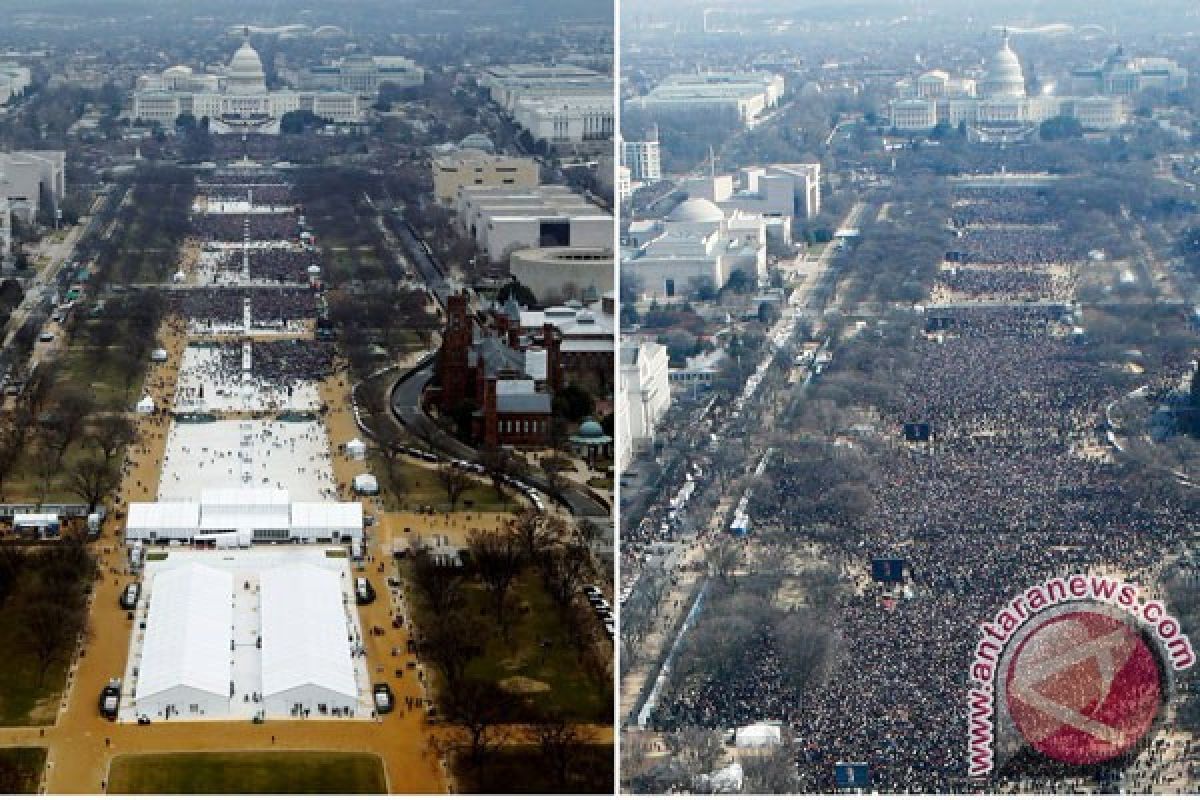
(696, 209)
(246, 75)
(1004, 76)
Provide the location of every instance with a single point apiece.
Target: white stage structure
(240, 517)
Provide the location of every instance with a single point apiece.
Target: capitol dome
(696, 209)
(1004, 77)
(246, 75)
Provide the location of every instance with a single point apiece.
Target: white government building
(14, 80)
(747, 94)
(698, 245)
(503, 219)
(236, 100)
(566, 106)
(778, 190)
(644, 395)
(996, 102)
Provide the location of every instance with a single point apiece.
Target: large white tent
(306, 647)
(185, 666)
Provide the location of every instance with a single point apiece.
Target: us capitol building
(238, 100)
(995, 107)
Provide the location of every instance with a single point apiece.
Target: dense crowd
(240, 227)
(1015, 487)
(266, 194)
(1014, 246)
(1004, 284)
(1000, 207)
(276, 264)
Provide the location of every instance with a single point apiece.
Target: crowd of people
(265, 194)
(1015, 486)
(1004, 284)
(242, 227)
(1021, 246)
(1000, 207)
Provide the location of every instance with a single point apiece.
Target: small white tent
(158, 354)
(356, 449)
(762, 734)
(145, 405)
(366, 484)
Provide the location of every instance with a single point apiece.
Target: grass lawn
(100, 379)
(248, 773)
(21, 769)
(24, 700)
(424, 489)
(520, 770)
(520, 661)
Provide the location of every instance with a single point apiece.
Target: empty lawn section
(21, 769)
(583, 769)
(248, 773)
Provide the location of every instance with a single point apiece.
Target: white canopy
(188, 632)
(158, 354)
(758, 735)
(145, 405)
(356, 449)
(366, 484)
(305, 639)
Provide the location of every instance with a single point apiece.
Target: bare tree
(723, 558)
(92, 480)
(559, 742)
(440, 586)
(497, 463)
(697, 750)
(772, 771)
(498, 559)
(448, 645)
(481, 708)
(454, 480)
(530, 529)
(48, 628)
(111, 433)
(71, 412)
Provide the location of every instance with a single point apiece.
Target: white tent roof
(758, 735)
(346, 516)
(305, 638)
(163, 516)
(233, 509)
(188, 631)
(146, 404)
(366, 483)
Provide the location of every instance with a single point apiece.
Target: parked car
(129, 597)
(110, 699)
(364, 593)
(385, 701)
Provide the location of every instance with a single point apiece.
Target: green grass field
(248, 773)
(21, 769)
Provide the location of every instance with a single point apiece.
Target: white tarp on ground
(761, 734)
(306, 646)
(185, 665)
